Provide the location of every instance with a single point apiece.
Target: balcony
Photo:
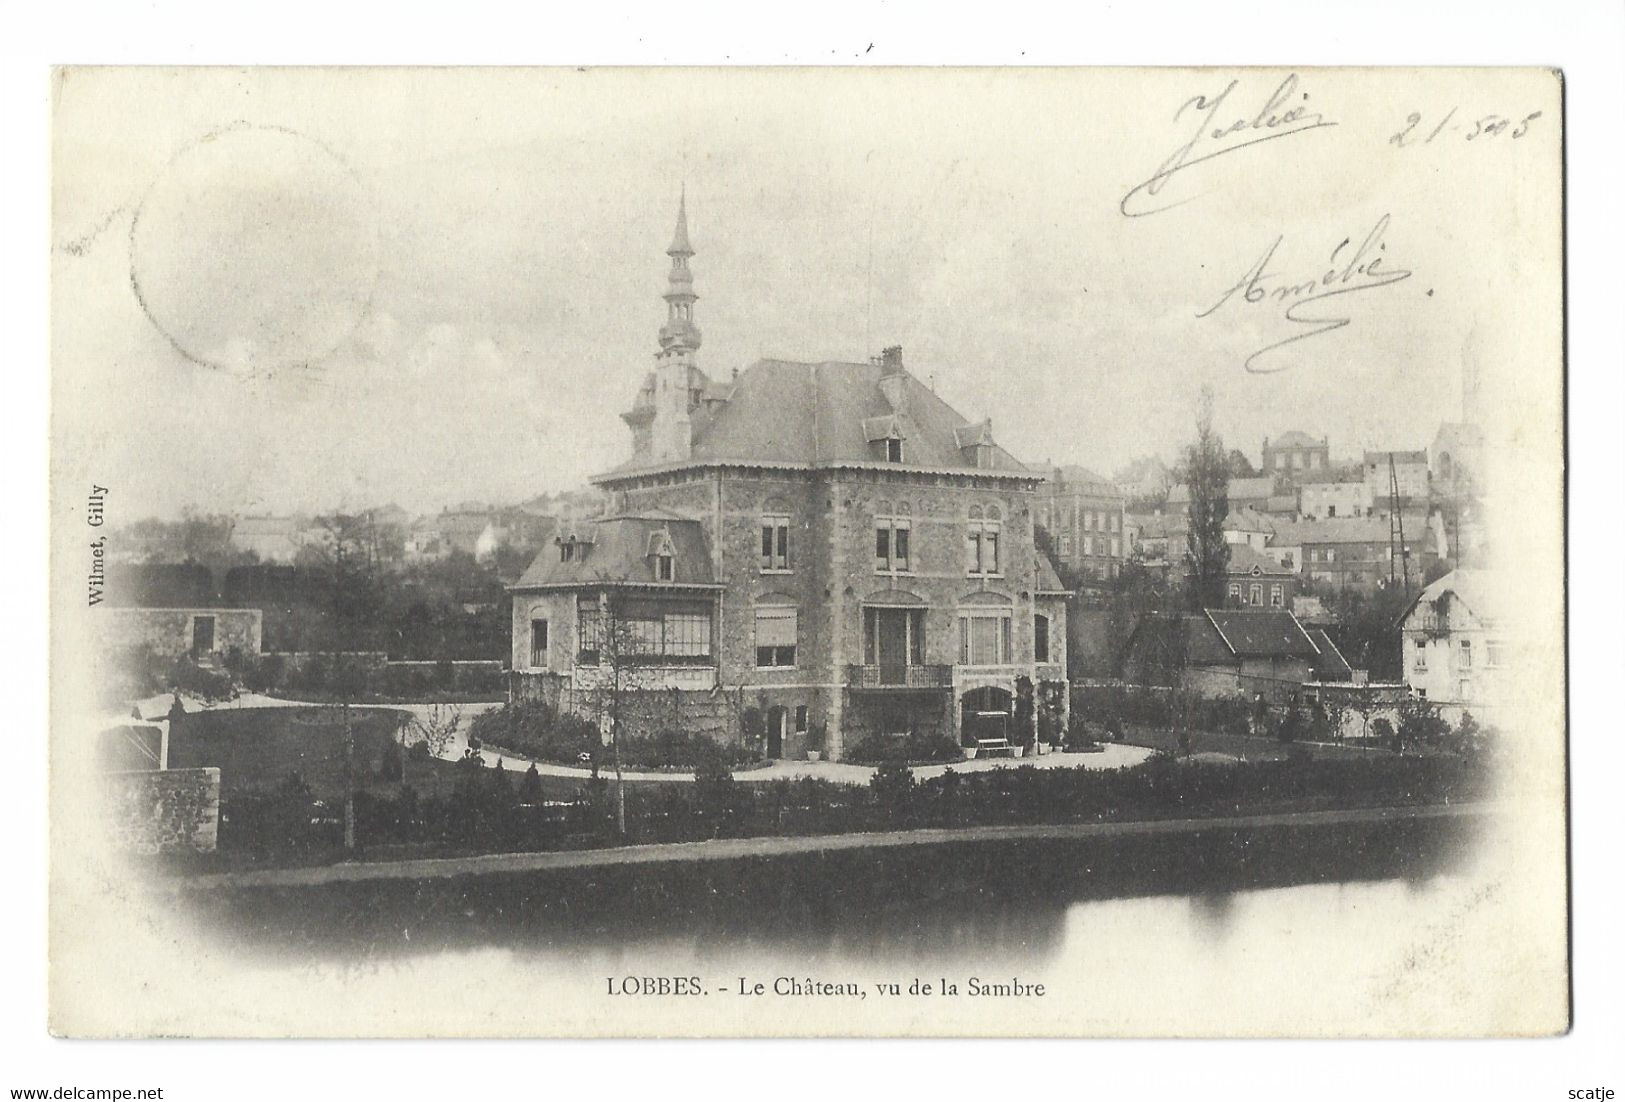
(899, 676)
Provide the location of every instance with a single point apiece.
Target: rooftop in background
(1337, 472)
(1262, 632)
(1244, 560)
(1073, 479)
(1366, 529)
(1295, 439)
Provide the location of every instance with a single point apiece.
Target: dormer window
(885, 437)
(664, 556)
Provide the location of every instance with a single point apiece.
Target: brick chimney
(893, 379)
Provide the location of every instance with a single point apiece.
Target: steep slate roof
(1295, 439)
(621, 552)
(811, 414)
(1366, 529)
(1331, 665)
(1262, 633)
(1474, 588)
(1244, 560)
(1248, 519)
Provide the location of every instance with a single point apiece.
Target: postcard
(808, 552)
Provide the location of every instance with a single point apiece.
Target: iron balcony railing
(899, 676)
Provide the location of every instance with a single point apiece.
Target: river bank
(953, 884)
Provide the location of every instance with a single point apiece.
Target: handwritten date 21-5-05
(1451, 125)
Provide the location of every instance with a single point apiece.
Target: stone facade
(1295, 454)
(1084, 515)
(204, 633)
(1455, 651)
(164, 811)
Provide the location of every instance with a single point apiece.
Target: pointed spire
(679, 240)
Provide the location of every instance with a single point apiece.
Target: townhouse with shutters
(825, 549)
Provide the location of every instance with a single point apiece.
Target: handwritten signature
(1361, 269)
(1275, 119)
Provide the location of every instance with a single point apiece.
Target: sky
(281, 290)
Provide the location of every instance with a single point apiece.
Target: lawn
(257, 748)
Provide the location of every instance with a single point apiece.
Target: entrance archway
(984, 714)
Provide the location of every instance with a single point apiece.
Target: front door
(775, 732)
(202, 636)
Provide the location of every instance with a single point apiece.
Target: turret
(675, 375)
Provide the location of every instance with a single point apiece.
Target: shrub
(714, 790)
(1420, 723)
(892, 788)
(1082, 735)
(917, 747)
(530, 787)
(188, 677)
(1292, 725)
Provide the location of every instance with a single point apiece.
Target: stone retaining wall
(164, 811)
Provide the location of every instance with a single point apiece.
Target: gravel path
(1113, 756)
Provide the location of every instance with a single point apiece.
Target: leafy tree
(1239, 465)
(1468, 734)
(1420, 723)
(345, 560)
(1207, 473)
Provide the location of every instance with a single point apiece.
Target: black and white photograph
(844, 552)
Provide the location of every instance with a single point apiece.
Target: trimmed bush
(918, 748)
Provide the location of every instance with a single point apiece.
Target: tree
(1239, 465)
(346, 562)
(1207, 473)
(1468, 734)
(1420, 723)
(437, 727)
(617, 642)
